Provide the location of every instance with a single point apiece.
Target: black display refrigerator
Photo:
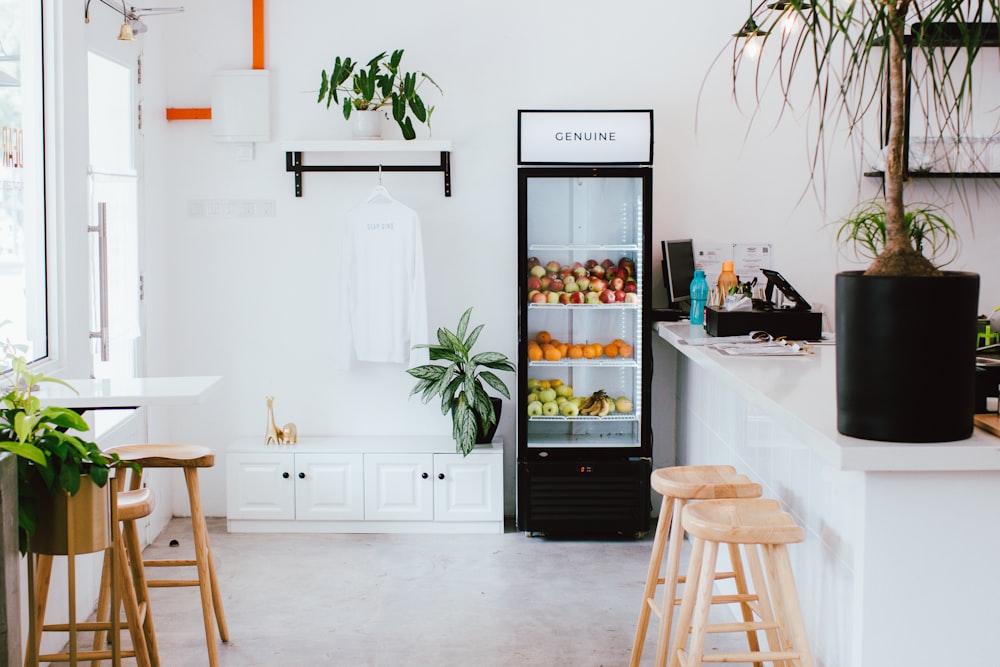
(584, 226)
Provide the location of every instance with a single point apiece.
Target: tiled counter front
(898, 566)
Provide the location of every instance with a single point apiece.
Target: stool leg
(670, 577)
(103, 607)
(39, 577)
(201, 550)
(766, 608)
(740, 577)
(128, 599)
(652, 577)
(131, 535)
(789, 597)
(703, 604)
(683, 628)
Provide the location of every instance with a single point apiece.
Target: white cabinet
(364, 484)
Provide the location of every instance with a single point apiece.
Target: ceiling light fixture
(125, 34)
(752, 36)
(133, 24)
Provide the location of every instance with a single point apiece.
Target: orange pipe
(189, 114)
(258, 34)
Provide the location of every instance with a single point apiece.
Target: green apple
(533, 396)
(534, 383)
(550, 409)
(561, 399)
(578, 401)
(564, 390)
(535, 409)
(547, 395)
(623, 405)
(569, 409)
(611, 407)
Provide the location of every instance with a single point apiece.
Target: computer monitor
(678, 270)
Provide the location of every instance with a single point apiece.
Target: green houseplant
(459, 382)
(51, 458)
(930, 233)
(851, 55)
(378, 84)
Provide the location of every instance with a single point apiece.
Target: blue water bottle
(699, 296)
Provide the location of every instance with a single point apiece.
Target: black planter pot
(484, 438)
(906, 356)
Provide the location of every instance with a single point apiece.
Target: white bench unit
(364, 484)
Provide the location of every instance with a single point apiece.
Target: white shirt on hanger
(383, 298)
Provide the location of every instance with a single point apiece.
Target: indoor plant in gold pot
(851, 54)
(55, 467)
(459, 383)
(379, 84)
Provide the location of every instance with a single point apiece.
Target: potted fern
(459, 383)
(379, 84)
(851, 55)
(54, 466)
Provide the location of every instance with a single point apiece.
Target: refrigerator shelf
(631, 417)
(590, 363)
(581, 247)
(582, 440)
(586, 306)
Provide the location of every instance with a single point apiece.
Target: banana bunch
(597, 404)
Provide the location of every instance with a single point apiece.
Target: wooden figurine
(287, 435)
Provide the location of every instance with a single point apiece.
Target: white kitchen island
(900, 563)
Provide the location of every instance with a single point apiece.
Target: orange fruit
(611, 350)
(555, 382)
(563, 349)
(625, 350)
(543, 337)
(575, 352)
(589, 352)
(544, 384)
(618, 341)
(534, 353)
(552, 353)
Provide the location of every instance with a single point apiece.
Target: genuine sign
(585, 137)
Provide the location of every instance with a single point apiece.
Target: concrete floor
(409, 600)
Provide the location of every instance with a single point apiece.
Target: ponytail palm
(851, 53)
(459, 382)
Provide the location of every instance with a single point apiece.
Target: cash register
(791, 316)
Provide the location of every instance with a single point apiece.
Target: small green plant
(380, 83)
(459, 382)
(929, 233)
(50, 457)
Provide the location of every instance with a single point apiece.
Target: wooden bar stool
(678, 485)
(188, 458)
(132, 506)
(763, 530)
(120, 586)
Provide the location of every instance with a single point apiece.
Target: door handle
(101, 229)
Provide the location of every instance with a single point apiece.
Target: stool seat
(166, 455)
(756, 521)
(703, 483)
(135, 504)
(679, 486)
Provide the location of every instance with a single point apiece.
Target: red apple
(607, 296)
(619, 295)
(597, 271)
(556, 285)
(610, 273)
(590, 263)
(545, 282)
(532, 293)
(631, 297)
(580, 271)
(534, 283)
(565, 272)
(576, 297)
(532, 261)
(593, 297)
(552, 267)
(631, 286)
(539, 297)
(617, 283)
(565, 298)
(598, 285)
(584, 283)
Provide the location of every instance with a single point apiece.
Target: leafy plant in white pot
(889, 372)
(379, 85)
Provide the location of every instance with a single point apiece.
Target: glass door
(584, 239)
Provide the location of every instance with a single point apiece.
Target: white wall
(254, 300)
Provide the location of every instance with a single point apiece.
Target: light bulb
(752, 48)
(789, 23)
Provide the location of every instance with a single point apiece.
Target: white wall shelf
(294, 151)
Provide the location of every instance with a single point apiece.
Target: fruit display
(545, 348)
(553, 398)
(589, 282)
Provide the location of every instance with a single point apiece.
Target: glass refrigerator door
(584, 279)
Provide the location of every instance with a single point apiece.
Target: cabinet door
(399, 487)
(260, 485)
(468, 488)
(329, 487)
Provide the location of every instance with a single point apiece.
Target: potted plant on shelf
(379, 84)
(459, 383)
(55, 466)
(850, 55)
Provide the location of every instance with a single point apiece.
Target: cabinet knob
(302, 475)
(424, 476)
(285, 475)
(440, 475)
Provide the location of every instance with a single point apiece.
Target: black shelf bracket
(293, 163)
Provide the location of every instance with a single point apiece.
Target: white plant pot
(366, 124)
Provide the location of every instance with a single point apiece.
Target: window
(23, 296)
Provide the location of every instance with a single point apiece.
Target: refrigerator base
(584, 498)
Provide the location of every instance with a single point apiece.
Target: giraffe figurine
(271, 433)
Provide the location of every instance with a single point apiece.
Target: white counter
(899, 563)
(116, 393)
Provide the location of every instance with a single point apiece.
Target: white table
(118, 393)
(902, 539)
